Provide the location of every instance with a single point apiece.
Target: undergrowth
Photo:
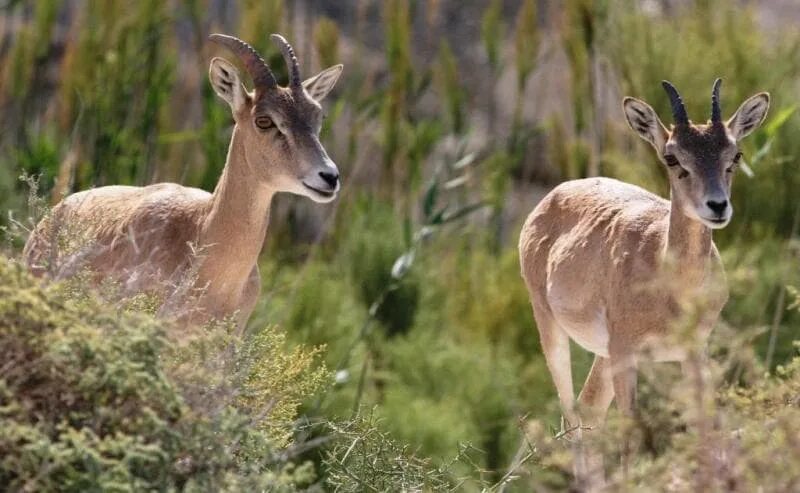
(97, 398)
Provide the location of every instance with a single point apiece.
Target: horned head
(701, 158)
(278, 127)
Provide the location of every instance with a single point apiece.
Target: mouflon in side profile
(150, 236)
(594, 255)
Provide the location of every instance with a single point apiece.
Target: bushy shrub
(688, 435)
(374, 243)
(365, 458)
(96, 398)
(750, 443)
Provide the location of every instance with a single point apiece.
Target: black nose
(717, 207)
(330, 178)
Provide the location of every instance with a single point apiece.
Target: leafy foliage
(93, 398)
(367, 459)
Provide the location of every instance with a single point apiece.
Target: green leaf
(429, 202)
(408, 236)
(438, 217)
(464, 211)
(779, 120)
(760, 154)
(492, 32)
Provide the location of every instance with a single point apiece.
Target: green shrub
(753, 444)
(373, 245)
(367, 459)
(96, 398)
(688, 434)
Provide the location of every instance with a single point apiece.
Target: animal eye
(736, 160)
(264, 122)
(671, 160)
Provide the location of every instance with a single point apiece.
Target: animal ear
(642, 119)
(225, 80)
(321, 84)
(749, 116)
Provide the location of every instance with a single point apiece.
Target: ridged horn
(678, 110)
(716, 111)
(255, 65)
(291, 60)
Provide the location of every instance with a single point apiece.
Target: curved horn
(291, 60)
(256, 66)
(716, 111)
(678, 110)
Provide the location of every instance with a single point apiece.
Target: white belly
(588, 330)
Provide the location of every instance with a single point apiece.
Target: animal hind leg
(593, 402)
(624, 377)
(555, 347)
(597, 393)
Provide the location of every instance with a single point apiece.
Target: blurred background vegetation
(451, 120)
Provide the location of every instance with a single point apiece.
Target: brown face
(700, 159)
(279, 126)
(282, 132)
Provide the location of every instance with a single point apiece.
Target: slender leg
(624, 378)
(697, 374)
(696, 368)
(597, 393)
(555, 346)
(593, 403)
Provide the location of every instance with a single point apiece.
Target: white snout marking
(714, 221)
(322, 192)
(319, 188)
(316, 182)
